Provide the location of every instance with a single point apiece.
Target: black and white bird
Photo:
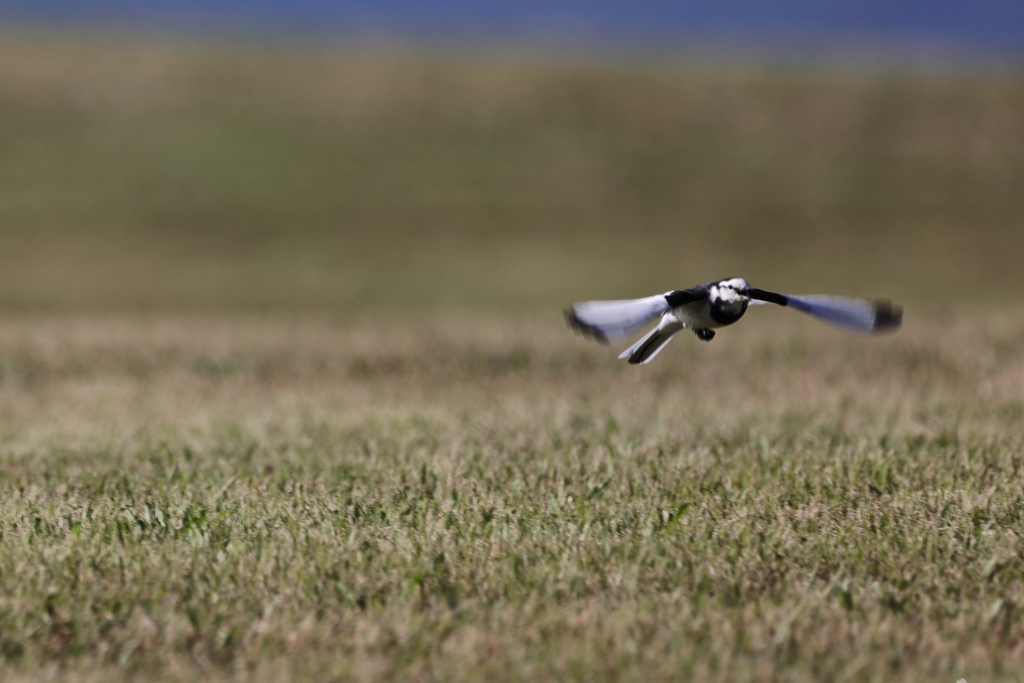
(712, 305)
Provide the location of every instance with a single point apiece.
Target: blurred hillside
(179, 177)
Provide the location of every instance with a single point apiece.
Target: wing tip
(888, 316)
(583, 328)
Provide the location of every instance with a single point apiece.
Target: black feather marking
(681, 297)
(888, 316)
(770, 297)
(582, 328)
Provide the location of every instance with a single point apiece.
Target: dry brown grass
(182, 371)
(785, 503)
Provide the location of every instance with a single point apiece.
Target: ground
(263, 500)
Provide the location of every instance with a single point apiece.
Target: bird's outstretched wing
(608, 321)
(859, 315)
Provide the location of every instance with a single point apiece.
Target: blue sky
(982, 25)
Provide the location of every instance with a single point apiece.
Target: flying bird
(712, 305)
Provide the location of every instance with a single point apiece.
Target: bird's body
(712, 305)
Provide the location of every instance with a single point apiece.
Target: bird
(712, 305)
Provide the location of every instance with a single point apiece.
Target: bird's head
(730, 293)
(729, 300)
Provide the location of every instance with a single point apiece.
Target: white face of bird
(728, 293)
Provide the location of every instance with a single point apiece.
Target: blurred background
(368, 158)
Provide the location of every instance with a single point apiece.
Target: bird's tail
(651, 344)
(613, 320)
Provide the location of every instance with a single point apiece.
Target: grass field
(285, 392)
(272, 500)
